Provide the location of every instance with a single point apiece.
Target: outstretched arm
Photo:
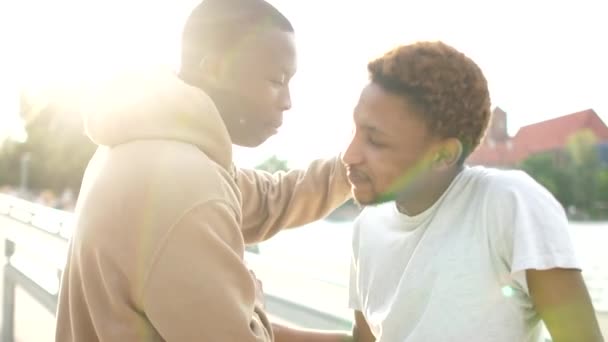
(360, 333)
(272, 202)
(287, 334)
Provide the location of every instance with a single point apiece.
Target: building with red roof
(498, 149)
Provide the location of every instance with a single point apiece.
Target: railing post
(8, 296)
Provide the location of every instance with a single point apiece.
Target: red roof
(500, 154)
(539, 137)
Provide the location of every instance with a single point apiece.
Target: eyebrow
(282, 70)
(288, 72)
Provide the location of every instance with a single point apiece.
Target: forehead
(387, 113)
(269, 48)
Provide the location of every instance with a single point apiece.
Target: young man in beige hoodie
(163, 215)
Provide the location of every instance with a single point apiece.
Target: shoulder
(174, 171)
(506, 188)
(515, 202)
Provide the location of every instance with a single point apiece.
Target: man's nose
(285, 99)
(352, 155)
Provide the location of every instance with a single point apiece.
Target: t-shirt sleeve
(532, 226)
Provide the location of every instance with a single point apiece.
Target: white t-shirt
(456, 272)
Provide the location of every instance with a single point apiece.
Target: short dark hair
(448, 87)
(217, 25)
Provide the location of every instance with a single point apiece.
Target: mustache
(355, 173)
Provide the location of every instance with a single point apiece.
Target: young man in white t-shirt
(446, 252)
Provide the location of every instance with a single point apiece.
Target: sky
(542, 59)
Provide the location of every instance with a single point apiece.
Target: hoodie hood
(156, 105)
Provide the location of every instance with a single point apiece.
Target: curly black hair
(448, 87)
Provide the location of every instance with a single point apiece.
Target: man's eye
(277, 81)
(376, 143)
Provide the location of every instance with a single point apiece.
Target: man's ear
(212, 70)
(448, 154)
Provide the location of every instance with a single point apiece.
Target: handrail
(13, 277)
(57, 224)
(48, 220)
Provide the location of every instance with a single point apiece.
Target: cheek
(250, 89)
(386, 169)
(268, 97)
(261, 98)
(384, 177)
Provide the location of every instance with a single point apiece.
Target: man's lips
(356, 177)
(274, 126)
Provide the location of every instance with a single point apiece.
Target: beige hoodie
(163, 218)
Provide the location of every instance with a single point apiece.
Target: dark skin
(562, 301)
(393, 152)
(249, 84)
(360, 333)
(288, 334)
(361, 330)
(393, 155)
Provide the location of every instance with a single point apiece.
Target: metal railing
(29, 229)
(50, 226)
(13, 277)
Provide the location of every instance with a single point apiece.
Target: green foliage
(576, 177)
(602, 186)
(58, 152)
(10, 156)
(581, 147)
(541, 167)
(273, 164)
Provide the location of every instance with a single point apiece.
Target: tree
(541, 167)
(10, 153)
(577, 177)
(584, 168)
(273, 164)
(602, 191)
(57, 147)
(557, 180)
(582, 148)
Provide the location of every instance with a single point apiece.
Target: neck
(426, 193)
